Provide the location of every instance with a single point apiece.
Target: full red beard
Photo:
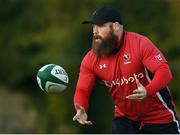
(106, 45)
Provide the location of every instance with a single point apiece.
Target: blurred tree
(37, 32)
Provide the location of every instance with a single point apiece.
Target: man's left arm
(156, 63)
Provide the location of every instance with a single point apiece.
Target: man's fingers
(89, 123)
(139, 93)
(78, 114)
(138, 83)
(84, 122)
(133, 96)
(75, 118)
(81, 120)
(136, 91)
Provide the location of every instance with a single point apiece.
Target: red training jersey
(135, 58)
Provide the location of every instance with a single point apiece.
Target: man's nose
(95, 30)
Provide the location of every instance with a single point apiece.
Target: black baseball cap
(103, 15)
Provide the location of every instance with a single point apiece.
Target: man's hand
(139, 94)
(81, 116)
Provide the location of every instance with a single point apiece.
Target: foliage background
(37, 32)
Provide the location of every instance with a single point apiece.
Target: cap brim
(94, 22)
(86, 22)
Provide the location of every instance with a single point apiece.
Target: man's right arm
(81, 116)
(83, 91)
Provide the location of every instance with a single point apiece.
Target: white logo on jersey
(123, 80)
(102, 66)
(158, 57)
(126, 58)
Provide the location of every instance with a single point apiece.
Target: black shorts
(122, 125)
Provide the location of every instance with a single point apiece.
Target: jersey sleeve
(85, 84)
(156, 63)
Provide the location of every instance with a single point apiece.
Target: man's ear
(116, 26)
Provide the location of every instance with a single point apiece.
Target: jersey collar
(120, 43)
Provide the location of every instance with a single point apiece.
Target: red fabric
(156, 84)
(85, 83)
(157, 65)
(119, 71)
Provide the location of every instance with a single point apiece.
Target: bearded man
(136, 74)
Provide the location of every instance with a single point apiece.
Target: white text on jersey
(123, 80)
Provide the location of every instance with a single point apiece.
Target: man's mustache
(97, 37)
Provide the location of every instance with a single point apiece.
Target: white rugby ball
(52, 78)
